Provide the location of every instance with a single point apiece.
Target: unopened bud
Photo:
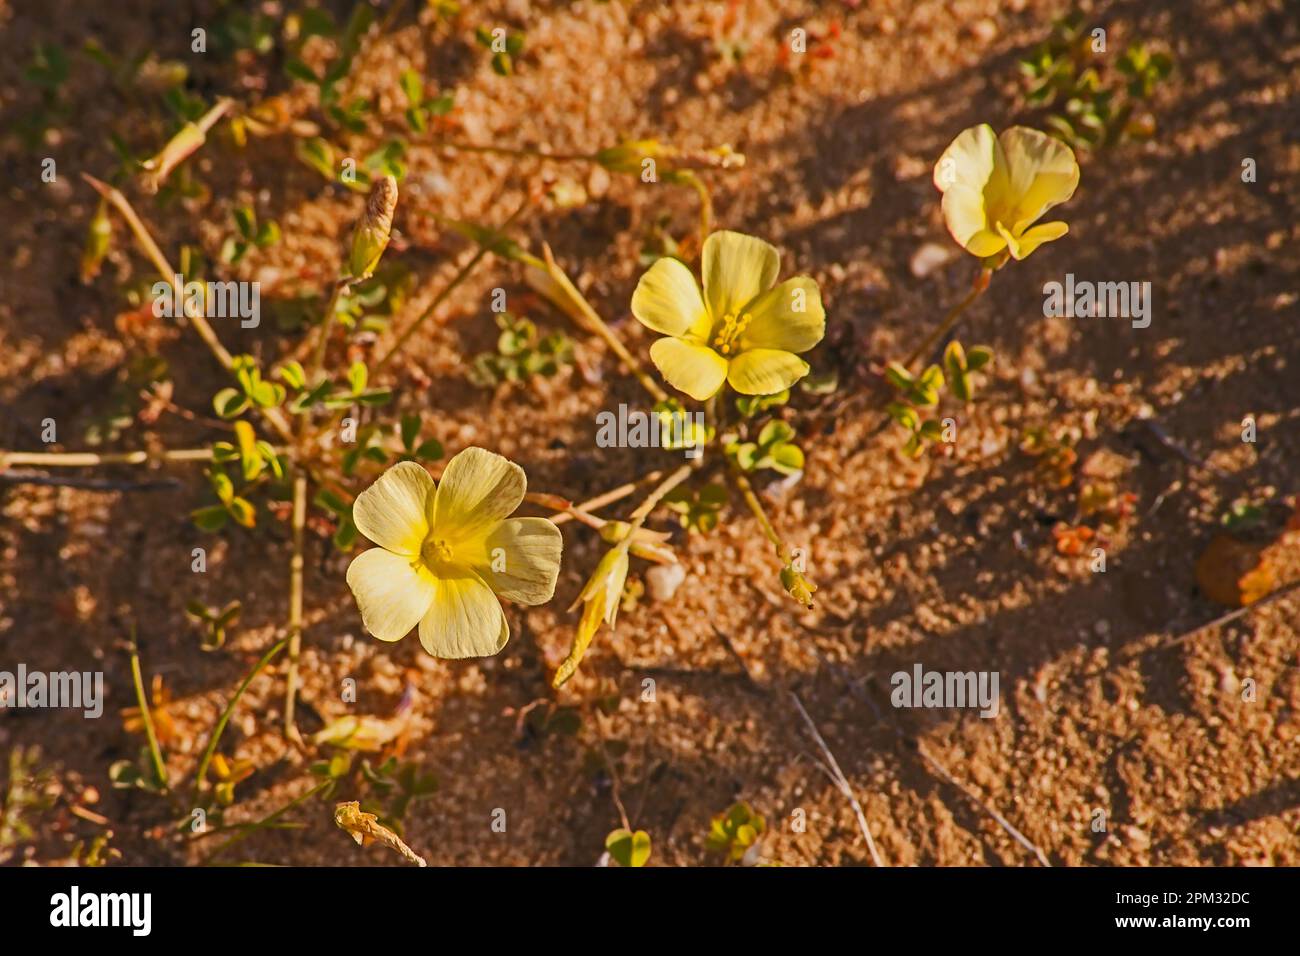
(370, 238)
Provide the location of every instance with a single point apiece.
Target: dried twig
(832, 770)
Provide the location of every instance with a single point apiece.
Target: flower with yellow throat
(448, 551)
(996, 187)
(744, 329)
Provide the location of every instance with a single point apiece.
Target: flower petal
(465, 618)
(527, 551)
(696, 370)
(1027, 242)
(392, 511)
(667, 299)
(963, 211)
(478, 490)
(765, 371)
(737, 269)
(788, 317)
(392, 594)
(968, 161)
(1043, 173)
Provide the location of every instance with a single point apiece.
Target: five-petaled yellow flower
(744, 329)
(446, 552)
(996, 187)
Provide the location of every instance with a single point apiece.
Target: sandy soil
(950, 563)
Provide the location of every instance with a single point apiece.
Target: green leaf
(211, 518)
(250, 457)
(429, 450)
(222, 486)
(358, 376)
(242, 510)
(293, 375)
(628, 848)
(413, 87)
(229, 402)
(301, 71)
(773, 432)
(410, 430)
(787, 458)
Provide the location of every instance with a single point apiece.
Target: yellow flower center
(436, 551)
(728, 336)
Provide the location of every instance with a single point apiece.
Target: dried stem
(295, 600)
(461, 275)
(832, 770)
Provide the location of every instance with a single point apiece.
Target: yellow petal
(1042, 171)
(736, 270)
(667, 300)
(963, 211)
(696, 370)
(478, 490)
(392, 511)
(1021, 246)
(527, 552)
(788, 317)
(765, 371)
(969, 160)
(465, 618)
(391, 593)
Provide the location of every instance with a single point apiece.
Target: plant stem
(322, 340)
(461, 275)
(591, 318)
(638, 517)
(86, 459)
(607, 498)
(706, 201)
(249, 829)
(756, 506)
(521, 152)
(980, 284)
(200, 323)
(295, 600)
(220, 726)
(160, 768)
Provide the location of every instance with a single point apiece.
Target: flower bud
(370, 238)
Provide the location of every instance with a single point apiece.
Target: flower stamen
(727, 337)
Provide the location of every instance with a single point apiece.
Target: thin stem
(606, 498)
(87, 459)
(950, 320)
(756, 506)
(295, 600)
(200, 323)
(706, 201)
(225, 716)
(521, 152)
(159, 768)
(638, 517)
(461, 275)
(249, 829)
(322, 340)
(594, 322)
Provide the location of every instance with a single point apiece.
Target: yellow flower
(447, 552)
(600, 599)
(996, 187)
(744, 329)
